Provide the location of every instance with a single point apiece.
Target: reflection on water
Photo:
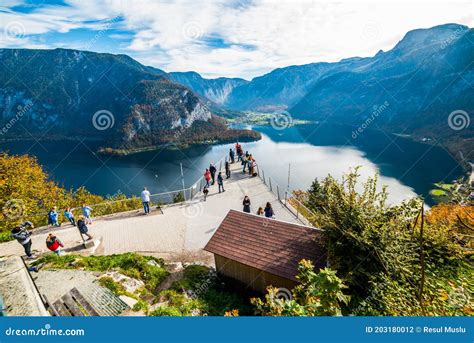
(406, 167)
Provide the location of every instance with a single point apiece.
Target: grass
(130, 264)
(208, 293)
(438, 193)
(198, 292)
(445, 186)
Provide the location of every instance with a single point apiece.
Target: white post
(182, 180)
(288, 184)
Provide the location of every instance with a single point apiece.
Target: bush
(213, 298)
(376, 249)
(166, 311)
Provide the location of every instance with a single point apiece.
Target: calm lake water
(407, 167)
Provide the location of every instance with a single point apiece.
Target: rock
(175, 267)
(131, 285)
(153, 263)
(128, 300)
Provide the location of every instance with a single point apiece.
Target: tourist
(227, 169)
(231, 155)
(253, 167)
(246, 204)
(53, 217)
(70, 216)
(269, 211)
(212, 170)
(249, 164)
(23, 236)
(260, 211)
(54, 244)
(205, 191)
(83, 229)
(145, 195)
(207, 177)
(245, 161)
(220, 182)
(238, 149)
(86, 212)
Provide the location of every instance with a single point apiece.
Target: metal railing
(295, 206)
(107, 207)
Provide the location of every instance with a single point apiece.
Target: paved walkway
(182, 228)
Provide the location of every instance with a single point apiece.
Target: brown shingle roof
(267, 244)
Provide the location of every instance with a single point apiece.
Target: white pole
(288, 184)
(182, 180)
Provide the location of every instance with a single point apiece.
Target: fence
(134, 203)
(286, 198)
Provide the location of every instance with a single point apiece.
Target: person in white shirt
(146, 200)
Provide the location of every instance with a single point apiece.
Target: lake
(408, 168)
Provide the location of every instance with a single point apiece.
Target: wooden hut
(258, 252)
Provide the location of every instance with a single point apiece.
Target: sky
(223, 38)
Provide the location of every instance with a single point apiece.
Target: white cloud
(258, 36)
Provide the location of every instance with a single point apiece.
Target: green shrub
(166, 311)
(115, 287)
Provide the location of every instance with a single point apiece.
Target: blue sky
(223, 38)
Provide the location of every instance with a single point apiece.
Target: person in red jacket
(54, 244)
(207, 177)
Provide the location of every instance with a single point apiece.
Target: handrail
(288, 197)
(156, 195)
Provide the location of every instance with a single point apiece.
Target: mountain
(113, 98)
(411, 89)
(215, 90)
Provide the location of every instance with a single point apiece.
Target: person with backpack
(269, 213)
(23, 236)
(70, 216)
(212, 170)
(83, 229)
(145, 195)
(86, 213)
(207, 177)
(231, 155)
(220, 182)
(227, 169)
(246, 204)
(54, 244)
(53, 217)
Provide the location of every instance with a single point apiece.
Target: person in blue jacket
(269, 211)
(69, 216)
(86, 212)
(53, 217)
